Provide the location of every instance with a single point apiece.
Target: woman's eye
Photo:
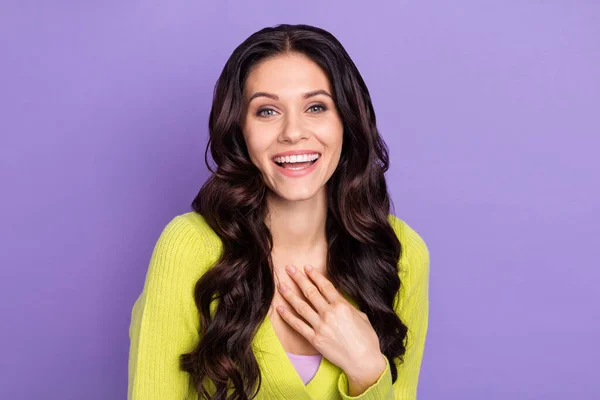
(262, 112)
(317, 108)
(269, 112)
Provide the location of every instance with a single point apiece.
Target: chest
(291, 341)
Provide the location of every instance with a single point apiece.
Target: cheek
(331, 135)
(332, 138)
(257, 146)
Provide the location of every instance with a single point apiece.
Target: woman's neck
(298, 226)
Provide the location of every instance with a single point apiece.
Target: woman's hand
(339, 331)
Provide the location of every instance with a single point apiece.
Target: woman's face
(288, 107)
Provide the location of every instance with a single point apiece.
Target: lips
(296, 173)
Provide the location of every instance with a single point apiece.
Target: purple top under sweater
(306, 366)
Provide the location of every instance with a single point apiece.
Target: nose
(293, 130)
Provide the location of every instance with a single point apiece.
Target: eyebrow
(304, 95)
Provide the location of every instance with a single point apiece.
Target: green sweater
(165, 323)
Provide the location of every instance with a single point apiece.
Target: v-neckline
(279, 364)
(288, 363)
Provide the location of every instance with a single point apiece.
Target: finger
(296, 323)
(310, 291)
(326, 288)
(301, 307)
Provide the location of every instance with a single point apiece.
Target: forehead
(288, 74)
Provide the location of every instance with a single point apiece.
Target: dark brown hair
(363, 250)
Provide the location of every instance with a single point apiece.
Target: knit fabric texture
(165, 323)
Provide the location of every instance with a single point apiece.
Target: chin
(299, 194)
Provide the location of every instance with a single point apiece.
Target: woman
(299, 182)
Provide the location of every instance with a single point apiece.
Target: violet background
(491, 112)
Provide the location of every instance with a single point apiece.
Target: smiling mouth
(295, 165)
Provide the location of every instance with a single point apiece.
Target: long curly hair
(363, 249)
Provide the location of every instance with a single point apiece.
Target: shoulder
(187, 245)
(198, 224)
(193, 228)
(414, 259)
(414, 248)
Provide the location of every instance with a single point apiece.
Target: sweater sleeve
(413, 309)
(164, 322)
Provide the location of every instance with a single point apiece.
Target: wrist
(369, 372)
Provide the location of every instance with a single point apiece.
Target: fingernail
(282, 287)
(291, 269)
(307, 268)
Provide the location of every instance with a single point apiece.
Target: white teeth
(297, 158)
